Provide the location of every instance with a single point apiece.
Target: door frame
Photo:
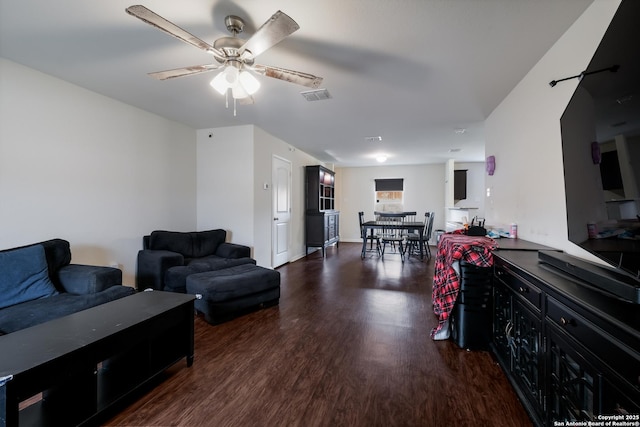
(275, 259)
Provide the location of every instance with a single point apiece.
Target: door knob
(275, 219)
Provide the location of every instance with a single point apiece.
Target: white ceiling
(411, 71)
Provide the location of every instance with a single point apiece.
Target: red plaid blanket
(446, 284)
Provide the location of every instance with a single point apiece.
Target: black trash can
(471, 315)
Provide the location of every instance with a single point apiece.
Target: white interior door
(281, 193)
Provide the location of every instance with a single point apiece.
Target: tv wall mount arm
(613, 69)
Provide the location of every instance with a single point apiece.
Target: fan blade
(279, 26)
(186, 71)
(172, 29)
(291, 76)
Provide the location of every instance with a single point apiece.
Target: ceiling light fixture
(381, 158)
(241, 84)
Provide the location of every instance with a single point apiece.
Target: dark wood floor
(348, 346)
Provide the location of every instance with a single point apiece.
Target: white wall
(523, 132)
(266, 146)
(475, 187)
(225, 182)
(424, 187)
(233, 166)
(88, 169)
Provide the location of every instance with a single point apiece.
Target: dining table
(369, 227)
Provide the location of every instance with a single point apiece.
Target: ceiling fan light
(239, 92)
(249, 82)
(219, 83)
(231, 75)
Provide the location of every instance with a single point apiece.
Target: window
(389, 194)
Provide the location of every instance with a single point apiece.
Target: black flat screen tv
(601, 149)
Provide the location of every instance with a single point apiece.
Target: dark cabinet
(517, 330)
(573, 383)
(617, 401)
(502, 315)
(460, 184)
(322, 229)
(322, 221)
(320, 189)
(526, 350)
(591, 371)
(570, 353)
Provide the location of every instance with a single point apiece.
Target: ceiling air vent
(316, 95)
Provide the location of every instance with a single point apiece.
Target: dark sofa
(38, 283)
(224, 278)
(169, 257)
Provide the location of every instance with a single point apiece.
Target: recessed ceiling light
(459, 131)
(381, 159)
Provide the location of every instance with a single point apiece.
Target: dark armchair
(168, 257)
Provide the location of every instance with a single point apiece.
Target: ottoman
(227, 293)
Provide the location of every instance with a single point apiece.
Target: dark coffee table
(87, 362)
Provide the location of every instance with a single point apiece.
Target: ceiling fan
(233, 55)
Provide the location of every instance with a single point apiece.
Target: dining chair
(369, 237)
(393, 234)
(390, 218)
(410, 216)
(413, 239)
(428, 234)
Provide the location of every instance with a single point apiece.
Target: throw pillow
(24, 276)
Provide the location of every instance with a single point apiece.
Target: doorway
(281, 207)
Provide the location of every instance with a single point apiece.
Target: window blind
(393, 184)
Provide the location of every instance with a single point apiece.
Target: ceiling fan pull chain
(234, 107)
(226, 99)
